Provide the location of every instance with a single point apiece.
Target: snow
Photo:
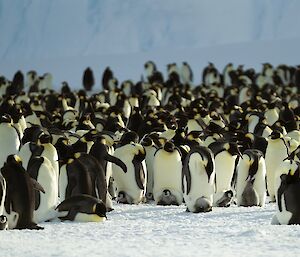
(150, 230)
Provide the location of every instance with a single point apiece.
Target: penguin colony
(233, 139)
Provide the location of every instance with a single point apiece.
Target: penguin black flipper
(139, 173)
(117, 161)
(292, 202)
(281, 190)
(71, 214)
(187, 175)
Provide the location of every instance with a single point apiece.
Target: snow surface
(150, 230)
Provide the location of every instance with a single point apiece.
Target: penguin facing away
(20, 198)
(287, 193)
(198, 179)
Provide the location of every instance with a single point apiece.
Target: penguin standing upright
(131, 186)
(225, 154)
(186, 74)
(41, 169)
(88, 79)
(287, 190)
(167, 169)
(277, 150)
(150, 148)
(9, 141)
(251, 183)
(20, 197)
(198, 179)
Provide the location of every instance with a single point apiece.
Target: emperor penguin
(41, 169)
(198, 179)
(9, 141)
(251, 182)
(167, 169)
(287, 187)
(225, 155)
(82, 208)
(130, 186)
(150, 148)
(277, 150)
(20, 195)
(186, 74)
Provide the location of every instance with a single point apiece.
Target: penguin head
(129, 137)
(14, 159)
(169, 147)
(276, 135)
(6, 118)
(233, 149)
(45, 138)
(100, 209)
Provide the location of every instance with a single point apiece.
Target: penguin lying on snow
(82, 208)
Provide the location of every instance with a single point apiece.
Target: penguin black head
(276, 135)
(100, 209)
(5, 119)
(169, 147)
(147, 141)
(45, 138)
(129, 137)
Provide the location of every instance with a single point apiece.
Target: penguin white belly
(167, 175)
(200, 185)
(50, 153)
(259, 184)
(192, 125)
(271, 116)
(126, 182)
(275, 154)
(48, 200)
(63, 182)
(25, 154)
(252, 123)
(242, 174)
(150, 150)
(225, 164)
(9, 142)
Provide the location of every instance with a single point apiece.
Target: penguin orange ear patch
(18, 158)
